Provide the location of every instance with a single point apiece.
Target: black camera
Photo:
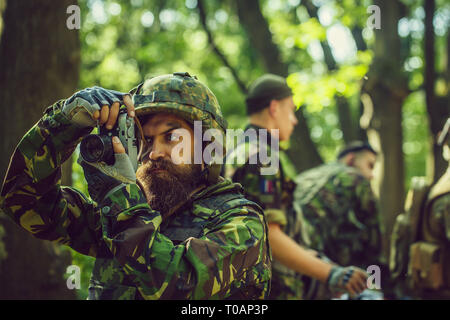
(98, 147)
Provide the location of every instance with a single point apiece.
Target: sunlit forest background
(389, 86)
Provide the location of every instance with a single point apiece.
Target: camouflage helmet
(185, 96)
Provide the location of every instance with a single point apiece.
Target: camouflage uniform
(214, 247)
(431, 254)
(420, 244)
(274, 194)
(339, 214)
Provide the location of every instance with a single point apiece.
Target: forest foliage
(326, 45)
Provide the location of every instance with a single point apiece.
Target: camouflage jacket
(340, 215)
(436, 226)
(213, 247)
(273, 192)
(435, 229)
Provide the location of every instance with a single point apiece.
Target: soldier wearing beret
(270, 106)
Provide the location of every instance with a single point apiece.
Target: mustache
(159, 165)
(187, 176)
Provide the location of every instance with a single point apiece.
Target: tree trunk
(260, 37)
(203, 19)
(387, 89)
(303, 152)
(438, 109)
(343, 110)
(39, 64)
(360, 46)
(2, 8)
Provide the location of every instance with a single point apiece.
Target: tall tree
(303, 152)
(215, 48)
(387, 89)
(39, 64)
(347, 123)
(437, 108)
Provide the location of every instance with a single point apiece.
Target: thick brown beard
(166, 189)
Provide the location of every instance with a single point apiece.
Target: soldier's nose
(294, 120)
(156, 153)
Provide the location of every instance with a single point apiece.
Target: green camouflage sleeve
(213, 266)
(342, 221)
(265, 190)
(31, 194)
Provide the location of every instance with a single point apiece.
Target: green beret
(264, 89)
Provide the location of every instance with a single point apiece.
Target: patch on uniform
(266, 186)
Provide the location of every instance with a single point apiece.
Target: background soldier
(429, 264)
(183, 233)
(339, 208)
(270, 106)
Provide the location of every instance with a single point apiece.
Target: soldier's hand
(349, 279)
(101, 177)
(87, 106)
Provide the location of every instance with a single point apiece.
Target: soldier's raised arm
(32, 195)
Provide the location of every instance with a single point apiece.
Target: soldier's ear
(273, 108)
(349, 159)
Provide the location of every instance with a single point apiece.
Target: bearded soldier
(179, 231)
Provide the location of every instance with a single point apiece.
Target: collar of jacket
(269, 137)
(222, 186)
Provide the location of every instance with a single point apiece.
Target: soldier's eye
(149, 141)
(173, 137)
(146, 147)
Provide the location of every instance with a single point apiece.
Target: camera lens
(92, 148)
